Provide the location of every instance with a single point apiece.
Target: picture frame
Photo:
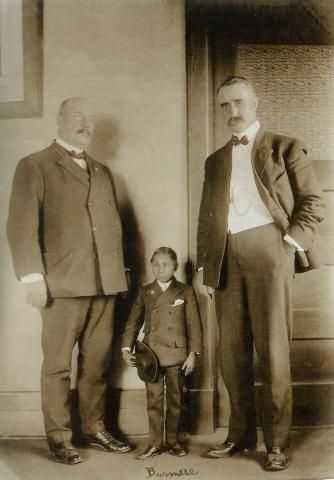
(21, 59)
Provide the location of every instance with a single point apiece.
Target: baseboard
(21, 415)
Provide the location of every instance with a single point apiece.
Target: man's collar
(67, 146)
(250, 132)
(164, 285)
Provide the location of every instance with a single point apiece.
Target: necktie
(237, 141)
(78, 156)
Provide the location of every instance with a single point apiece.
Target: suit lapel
(261, 153)
(172, 291)
(65, 161)
(96, 176)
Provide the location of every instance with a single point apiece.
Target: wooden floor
(312, 458)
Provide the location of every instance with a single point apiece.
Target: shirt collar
(164, 286)
(67, 146)
(250, 132)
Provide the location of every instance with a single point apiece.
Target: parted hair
(166, 251)
(234, 79)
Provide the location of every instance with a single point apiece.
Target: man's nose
(234, 110)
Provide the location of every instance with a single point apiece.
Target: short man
(261, 207)
(65, 236)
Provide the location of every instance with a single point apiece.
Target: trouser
(88, 321)
(254, 307)
(174, 379)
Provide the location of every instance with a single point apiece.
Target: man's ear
(256, 102)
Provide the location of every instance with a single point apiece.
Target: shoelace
(276, 451)
(105, 436)
(67, 445)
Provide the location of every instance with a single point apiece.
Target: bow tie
(78, 156)
(237, 141)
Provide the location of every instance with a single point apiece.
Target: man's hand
(210, 291)
(189, 364)
(36, 294)
(129, 358)
(204, 289)
(128, 278)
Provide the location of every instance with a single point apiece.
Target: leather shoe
(227, 449)
(176, 449)
(149, 452)
(107, 442)
(65, 453)
(277, 459)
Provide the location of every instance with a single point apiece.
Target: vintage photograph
(167, 225)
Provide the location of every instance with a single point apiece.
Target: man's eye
(224, 106)
(238, 102)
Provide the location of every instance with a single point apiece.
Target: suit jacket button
(90, 204)
(94, 255)
(94, 229)
(110, 202)
(118, 250)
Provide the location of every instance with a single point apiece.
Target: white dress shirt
(247, 209)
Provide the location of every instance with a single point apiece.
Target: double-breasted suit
(63, 223)
(252, 272)
(172, 329)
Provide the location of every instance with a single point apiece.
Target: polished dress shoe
(149, 452)
(106, 441)
(176, 449)
(65, 453)
(277, 459)
(227, 449)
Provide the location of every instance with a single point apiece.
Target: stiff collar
(67, 146)
(164, 286)
(250, 132)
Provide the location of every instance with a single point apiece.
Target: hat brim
(146, 362)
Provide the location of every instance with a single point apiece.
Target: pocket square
(177, 302)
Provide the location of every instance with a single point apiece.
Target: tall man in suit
(65, 235)
(261, 207)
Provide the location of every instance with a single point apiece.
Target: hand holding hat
(129, 358)
(146, 363)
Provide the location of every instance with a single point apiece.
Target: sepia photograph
(167, 225)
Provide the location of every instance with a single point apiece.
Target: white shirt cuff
(126, 349)
(32, 278)
(293, 242)
(200, 269)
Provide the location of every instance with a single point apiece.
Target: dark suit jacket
(172, 328)
(64, 224)
(287, 185)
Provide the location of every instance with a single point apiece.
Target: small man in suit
(260, 211)
(65, 235)
(173, 331)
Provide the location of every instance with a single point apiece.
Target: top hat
(146, 363)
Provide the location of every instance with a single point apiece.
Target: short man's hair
(63, 106)
(166, 251)
(236, 79)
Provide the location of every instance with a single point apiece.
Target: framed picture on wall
(21, 29)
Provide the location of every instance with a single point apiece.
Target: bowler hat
(146, 363)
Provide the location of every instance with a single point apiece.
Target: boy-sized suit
(172, 329)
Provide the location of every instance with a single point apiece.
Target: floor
(312, 457)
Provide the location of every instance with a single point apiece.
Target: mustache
(84, 130)
(233, 120)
